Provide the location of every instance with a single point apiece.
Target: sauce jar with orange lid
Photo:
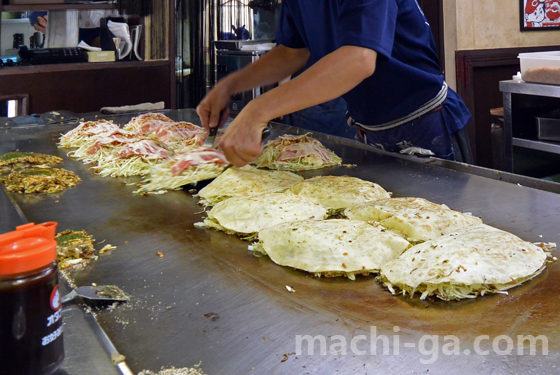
(30, 306)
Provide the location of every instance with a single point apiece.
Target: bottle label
(53, 336)
(55, 299)
(52, 319)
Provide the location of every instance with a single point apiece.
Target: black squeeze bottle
(30, 306)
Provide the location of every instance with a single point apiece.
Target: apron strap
(431, 106)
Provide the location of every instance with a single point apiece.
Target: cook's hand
(213, 109)
(41, 24)
(241, 142)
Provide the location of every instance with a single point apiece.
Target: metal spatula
(209, 142)
(211, 139)
(212, 132)
(105, 293)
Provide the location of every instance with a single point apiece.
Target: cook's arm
(329, 78)
(272, 67)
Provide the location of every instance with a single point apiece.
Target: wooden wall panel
(478, 75)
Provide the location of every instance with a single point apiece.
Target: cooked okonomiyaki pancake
(248, 215)
(474, 260)
(246, 181)
(416, 219)
(40, 180)
(331, 248)
(337, 193)
(18, 160)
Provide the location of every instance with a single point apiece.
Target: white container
(541, 67)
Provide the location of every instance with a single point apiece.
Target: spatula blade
(98, 293)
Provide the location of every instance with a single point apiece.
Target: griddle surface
(169, 322)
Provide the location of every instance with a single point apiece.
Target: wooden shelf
(37, 7)
(48, 68)
(86, 87)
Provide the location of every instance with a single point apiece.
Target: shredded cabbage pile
(161, 178)
(127, 167)
(92, 146)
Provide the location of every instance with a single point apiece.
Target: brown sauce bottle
(30, 307)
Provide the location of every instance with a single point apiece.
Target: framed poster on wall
(537, 15)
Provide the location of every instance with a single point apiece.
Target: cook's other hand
(41, 24)
(241, 142)
(213, 109)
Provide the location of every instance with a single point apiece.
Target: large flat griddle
(211, 301)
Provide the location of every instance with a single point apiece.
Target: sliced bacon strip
(153, 125)
(178, 134)
(84, 127)
(299, 150)
(197, 140)
(151, 116)
(196, 157)
(145, 148)
(136, 123)
(172, 132)
(105, 127)
(288, 139)
(115, 138)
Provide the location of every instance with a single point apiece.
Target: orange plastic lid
(27, 248)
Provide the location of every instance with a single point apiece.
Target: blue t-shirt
(407, 74)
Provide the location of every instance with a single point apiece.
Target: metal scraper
(212, 132)
(209, 142)
(106, 293)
